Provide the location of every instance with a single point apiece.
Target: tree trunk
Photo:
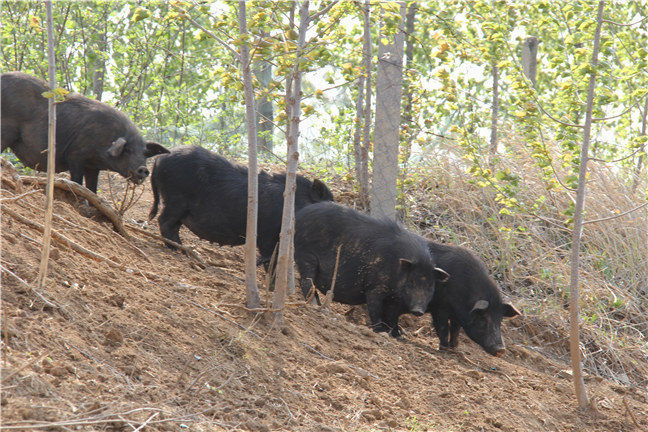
(530, 58)
(389, 80)
(51, 150)
(407, 111)
(284, 256)
(99, 66)
(494, 111)
(357, 129)
(252, 292)
(265, 113)
(363, 179)
(574, 340)
(637, 170)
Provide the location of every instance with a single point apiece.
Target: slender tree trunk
(530, 58)
(494, 111)
(574, 339)
(407, 112)
(265, 114)
(357, 129)
(389, 86)
(51, 150)
(284, 256)
(637, 170)
(363, 179)
(252, 292)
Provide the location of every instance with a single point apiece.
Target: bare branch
(625, 25)
(616, 216)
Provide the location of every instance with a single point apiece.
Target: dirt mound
(147, 336)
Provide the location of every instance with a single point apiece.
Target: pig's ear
(319, 191)
(405, 265)
(510, 311)
(480, 306)
(441, 275)
(117, 147)
(153, 148)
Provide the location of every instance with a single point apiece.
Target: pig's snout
(497, 351)
(140, 174)
(417, 311)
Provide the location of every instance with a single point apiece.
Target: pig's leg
(170, 221)
(91, 178)
(307, 274)
(375, 300)
(76, 174)
(391, 313)
(440, 322)
(454, 333)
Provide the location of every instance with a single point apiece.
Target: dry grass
(528, 253)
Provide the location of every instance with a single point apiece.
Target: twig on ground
(186, 249)
(29, 288)
(328, 298)
(35, 360)
(147, 421)
(632, 416)
(99, 203)
(17, 197)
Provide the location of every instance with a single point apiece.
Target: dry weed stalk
(128, 199)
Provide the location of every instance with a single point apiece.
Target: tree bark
(530, 58)
(389, 81)
(363, 179)
(284, 256)
(51, 150)
(637, 170)
(410, 19)
(252, 293)
(357, 129)
(265, 113)
(574, 339)
(494, 111)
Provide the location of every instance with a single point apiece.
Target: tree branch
(615, 216)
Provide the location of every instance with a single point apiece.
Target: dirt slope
(166, 343)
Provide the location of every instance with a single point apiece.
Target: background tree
(252, 292)
(389, 78)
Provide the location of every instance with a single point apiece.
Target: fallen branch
(99, 203)
(186, 249)
(138, 250)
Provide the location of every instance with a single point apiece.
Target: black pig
(469, 299)
(208, 194)
(90, 135)
(381, 264)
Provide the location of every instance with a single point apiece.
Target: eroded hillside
(159, 343)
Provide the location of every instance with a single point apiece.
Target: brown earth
(163, 342)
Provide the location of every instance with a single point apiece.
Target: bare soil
(161, 344)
